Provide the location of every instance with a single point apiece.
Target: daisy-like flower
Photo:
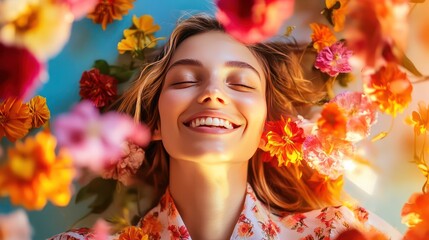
(334, 59)
(15, 226)
(283, 140)
(34, 174)
(39, 111)
(332, 121)
(338, 16)
(415, 214)
(253, 21)
(108, 10)
(99, 88)
(132, 232)
(15, 119)
(420, 119)
(322, 36)
(41, 26)
(389, 88)
(94, 140)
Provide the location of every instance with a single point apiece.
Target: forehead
(214, 49)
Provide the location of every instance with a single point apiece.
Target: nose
(213, 93)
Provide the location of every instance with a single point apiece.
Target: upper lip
(212, 114)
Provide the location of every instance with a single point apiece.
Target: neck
(208, 196)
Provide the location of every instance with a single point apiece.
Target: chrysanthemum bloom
(34, 174)
(376, 30)
(332, 121)
(42, 27)
(415, 214)
(79, 8)
(253, 21)
(389, 88)
(99, 88)
(322, 36)
(338, 16)
(283, 140)
(334, 59)
(420, 119)
(15, 119)
(108, 10)
(132, 232)
(15, 226)
(39, 111)
(360, 114)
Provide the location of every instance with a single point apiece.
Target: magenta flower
(360, 113)
(334, 59)
(252, 21)
(95, 141)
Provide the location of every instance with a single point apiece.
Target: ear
(156, 136)
(261, 144)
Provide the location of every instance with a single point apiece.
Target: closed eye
(240, 86)
(184, 84)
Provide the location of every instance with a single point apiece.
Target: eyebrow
(234, 64)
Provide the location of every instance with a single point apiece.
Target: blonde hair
(283, 189)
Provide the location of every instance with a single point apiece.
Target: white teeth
(209, 121)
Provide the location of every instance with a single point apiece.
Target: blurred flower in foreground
(101, 230)
(94, 140)
(322, 36)
(253, 21)
(42, 26)
(39, 111)
(79, 8)
(386, 37)
(15, 119)
(355, 234)
(99, 88)
(15, 226)
(34, 174)
(420, 119)
(283, 139)
(108, 10)
(18, 82)
(338, 16)
(415, 214)
(334, 59)
(389, 88)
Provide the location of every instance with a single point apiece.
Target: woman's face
(212, 105)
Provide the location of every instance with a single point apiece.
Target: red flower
(99, 88)
(415, 214)
(252, 21)
(18, 82)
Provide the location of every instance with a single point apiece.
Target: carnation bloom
(389, 88)
(126, 168)
(15, 226)
(253, 21)
(420, 119)
(322, 36)
(18, 82)
(415, 214)
(95, 140)
(338, 16)
(99, 88)
(332, 121)
(283, 139)
(334, 59)
(39, 111)
(15, 119)
(375, 29)
(41, 26)
(79, 8)
(34, 174)
(108, 10)
(360, 113)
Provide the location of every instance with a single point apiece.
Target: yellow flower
(108, 10)
(338, 15)
(39, 111)
(15, 119)
(133, 233)
(322, 36)
(145, 24)
(420, 119)
(34, 174)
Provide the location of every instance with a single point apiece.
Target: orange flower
(324, 187)
(108, 10)
(420, 119)
(33, 173)
(15, 119)
(389, 88)
(284, 139)
(338, 16)
(332, 121)
(39, 111)
(354, 234)
(415, 214)
(133, 233)
(322, 36)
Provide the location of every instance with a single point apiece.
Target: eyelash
(242, 85)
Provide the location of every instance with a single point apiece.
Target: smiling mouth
(212, 122)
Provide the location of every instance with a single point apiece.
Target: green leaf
(102, 189)
(409, 65)
(102, 65)
(121, 74)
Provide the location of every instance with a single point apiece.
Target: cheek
(255, 111)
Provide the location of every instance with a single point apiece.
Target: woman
(206, 99)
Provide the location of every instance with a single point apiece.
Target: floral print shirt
(254, 222)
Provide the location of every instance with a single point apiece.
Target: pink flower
(252, 21)
(326, 155)
(15, 226)
(101, 230)
(125, 169)
(80, 8)
(360, 113)
(95, 140)
(18, 82)
(334, 59)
